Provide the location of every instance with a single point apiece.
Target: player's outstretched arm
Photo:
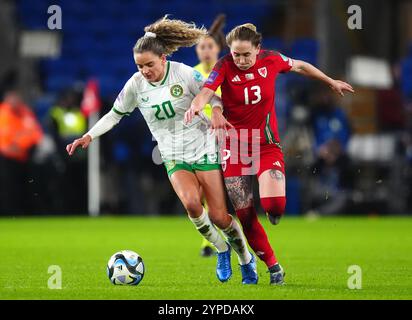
(220, 125)
(83, 142)
(106, 123)
(218, 121)
(308, 70)
(198, 103)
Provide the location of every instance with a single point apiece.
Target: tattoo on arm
(240, 191)
(276, 174)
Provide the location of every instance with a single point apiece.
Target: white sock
(237, 240)
(209, 232)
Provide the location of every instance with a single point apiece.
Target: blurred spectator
(130, 178)
(331, 183)
(20, 132)
(68, 123)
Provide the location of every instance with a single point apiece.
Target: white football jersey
(163, 105)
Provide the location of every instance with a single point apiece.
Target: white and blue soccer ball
(125, 268)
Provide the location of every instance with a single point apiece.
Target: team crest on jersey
(263, 72)
(176, 90)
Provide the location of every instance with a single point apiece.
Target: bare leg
(186, 186)
(213, 188)
(272, 192)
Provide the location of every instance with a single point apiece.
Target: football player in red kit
(247, 78)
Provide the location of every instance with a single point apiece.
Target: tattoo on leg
(240, 191)
(276, 174)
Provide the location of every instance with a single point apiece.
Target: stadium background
(370, 131)
(95, 43)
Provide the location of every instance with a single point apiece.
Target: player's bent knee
(275, 206)
(192, 205)
(220, 218)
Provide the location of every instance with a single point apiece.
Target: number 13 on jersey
(255, 94)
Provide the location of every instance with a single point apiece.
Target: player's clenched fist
(83, 141)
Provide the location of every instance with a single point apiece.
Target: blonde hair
(245, 32)
(166, 36)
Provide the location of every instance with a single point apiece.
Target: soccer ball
(126, 268)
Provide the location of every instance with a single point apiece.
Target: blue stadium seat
(410, 50)
(57, 83)
(77, 9)
(98, 37)
(109, 86)
(274, 43)
(69, 67)
(305, 49)
(185, 55)
(406, 78)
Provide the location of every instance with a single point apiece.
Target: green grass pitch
(315, 254)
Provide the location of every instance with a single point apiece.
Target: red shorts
(269, 157)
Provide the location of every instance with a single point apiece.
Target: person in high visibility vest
(20, 132)
(68, 121)
(208, 50)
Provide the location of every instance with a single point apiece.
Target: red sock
(256, 235)
(275, 206)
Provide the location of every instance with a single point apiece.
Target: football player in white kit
(163, 91)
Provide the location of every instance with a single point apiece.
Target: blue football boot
(224, 267)
(249, 273)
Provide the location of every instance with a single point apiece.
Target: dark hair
(166, 36)
(216, 31)
(244, 32)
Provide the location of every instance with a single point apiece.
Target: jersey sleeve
(217, 75)
(106, 123)
(283, 63)
(126, 101)
(195, 81)
(193, 78)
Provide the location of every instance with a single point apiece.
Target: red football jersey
(248, 96)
